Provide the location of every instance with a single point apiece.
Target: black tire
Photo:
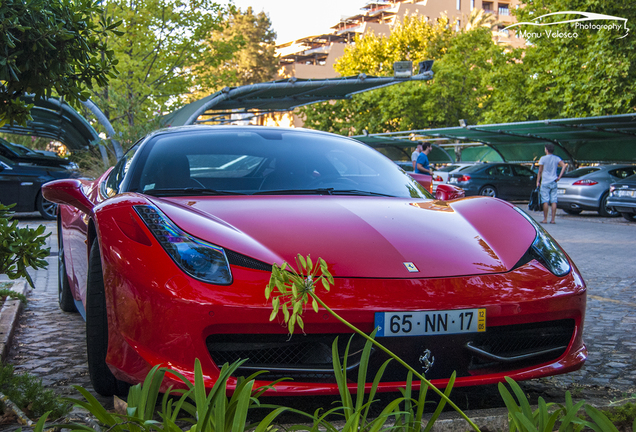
(488, 190)
(65, 297)
(572, 211)
(629, 216)
(47, 209)
(102, 379)
(604, 210)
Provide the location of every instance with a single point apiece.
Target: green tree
(162, 41)
(566, 76)
(51, 47)
(255, 60)
(460, 88)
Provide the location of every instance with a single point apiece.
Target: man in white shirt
(548, 179)
(415, 154)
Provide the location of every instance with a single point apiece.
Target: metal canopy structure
(55, 119)
(581, 140)
(277, 96)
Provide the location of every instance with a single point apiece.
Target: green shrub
(28, 393)
(20, 248)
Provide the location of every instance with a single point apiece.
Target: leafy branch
(20, 248)
(290, 291)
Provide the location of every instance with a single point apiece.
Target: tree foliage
(460, 89)
(51, 46)
(253, 61)
(161, 42)
(589, 74)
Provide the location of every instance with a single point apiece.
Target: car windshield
(471, 168)
(19, 150)
(580, 172)
(266, 162)
(449, 168)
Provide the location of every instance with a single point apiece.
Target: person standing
(415, 154)
(547, 178)
(422, 165)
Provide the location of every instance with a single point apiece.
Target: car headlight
(545, 250)
(201, 260)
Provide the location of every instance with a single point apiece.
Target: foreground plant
(291, 290)
(20, 248)
(547, 415)
(200, 411)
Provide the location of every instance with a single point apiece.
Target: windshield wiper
(189, 191)
(317, 191)
(321, 191)
(358, 192)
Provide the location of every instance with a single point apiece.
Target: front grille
(308, 357)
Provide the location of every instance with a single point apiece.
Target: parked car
(169, 254)
(440, 176)
(587, 188)
(24, 156)
(405, 165)
(42, 152)
(622, 198)
(425, 180)
(21, 185)
(502, 180)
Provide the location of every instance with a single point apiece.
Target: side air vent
(237, 259)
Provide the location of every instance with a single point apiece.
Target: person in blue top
(422, 166)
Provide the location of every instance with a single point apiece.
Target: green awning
(277, 96)
(56, 120)
(604, 139)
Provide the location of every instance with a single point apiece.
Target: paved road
(50, 343)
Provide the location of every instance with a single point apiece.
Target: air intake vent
(237, 259)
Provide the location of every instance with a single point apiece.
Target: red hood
(362, 236)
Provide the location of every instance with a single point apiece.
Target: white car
(440, 176)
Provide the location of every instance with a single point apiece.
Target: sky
(294, 19)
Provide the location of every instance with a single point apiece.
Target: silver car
(623, 198)
(587, 188)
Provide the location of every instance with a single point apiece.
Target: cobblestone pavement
(50, 343)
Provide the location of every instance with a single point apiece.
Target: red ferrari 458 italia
(168, 255)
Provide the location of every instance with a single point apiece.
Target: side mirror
(446, 192)
(68, 192)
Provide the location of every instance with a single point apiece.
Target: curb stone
(9, 315)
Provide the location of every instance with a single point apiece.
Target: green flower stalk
(290, 291)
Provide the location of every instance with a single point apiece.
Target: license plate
(452, 180)
(422, 323)
(625, 193)
(560, 191)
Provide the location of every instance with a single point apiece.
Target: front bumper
(157, 315)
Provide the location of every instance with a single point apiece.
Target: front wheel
(102, 379)
(47, 209)
(65, 297)
(629, 216)
(604, 210)
(488, 190)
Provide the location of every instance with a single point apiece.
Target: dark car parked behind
(622, 198)
(21, 184)
(21, 155)
(501, 180)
